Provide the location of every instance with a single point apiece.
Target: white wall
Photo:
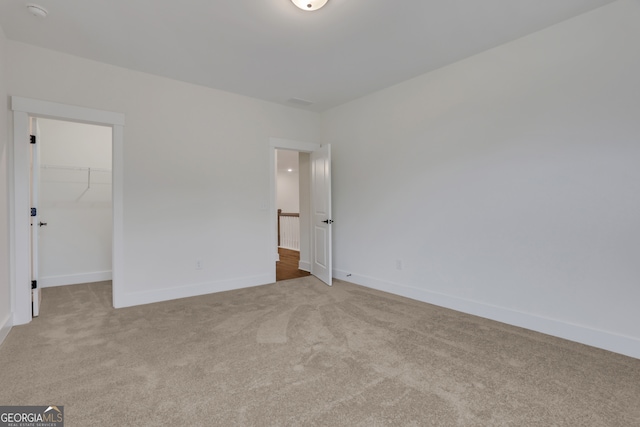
(196, 171)
(506, 184)
(75, 246)
(5, 289)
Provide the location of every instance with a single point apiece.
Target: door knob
(328, 221)
(42, 223)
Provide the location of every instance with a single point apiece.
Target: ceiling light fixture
(37, 10)
(309, 5)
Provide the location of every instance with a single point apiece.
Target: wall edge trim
(304, 266)
(74, 279)
(616, 343)
(5, 327)
(192, 290)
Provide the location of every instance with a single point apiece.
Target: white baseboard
(5, 327)
(304, 266)
(196, 289)
(596, 338)
(74, 279)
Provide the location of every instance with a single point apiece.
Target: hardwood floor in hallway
(287, 267)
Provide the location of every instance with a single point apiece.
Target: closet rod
(75, 168)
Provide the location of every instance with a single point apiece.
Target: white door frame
(19, 220)
(34, 188)
(280, 144)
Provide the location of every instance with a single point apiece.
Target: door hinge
(34, 211)
(32, 139)
(34, 284)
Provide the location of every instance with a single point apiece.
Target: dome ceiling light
(309, 5)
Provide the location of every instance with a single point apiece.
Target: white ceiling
(271, 50)
(287, 159)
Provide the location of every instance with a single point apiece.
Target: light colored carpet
(301, 353)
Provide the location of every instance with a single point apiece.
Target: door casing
(34, 189)
(19, 220)
(280, 144)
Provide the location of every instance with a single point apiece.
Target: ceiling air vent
(300, 102)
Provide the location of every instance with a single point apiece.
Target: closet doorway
(74, 199)
(20, 244)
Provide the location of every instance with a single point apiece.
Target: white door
(321, 214)
(35, 214)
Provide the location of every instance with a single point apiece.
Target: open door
(35, 218)
(321, 214)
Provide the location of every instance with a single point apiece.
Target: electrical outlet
(398, 264)
(199, 264)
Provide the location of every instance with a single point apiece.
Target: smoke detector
(37, 10)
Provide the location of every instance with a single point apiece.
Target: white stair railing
(289, 230)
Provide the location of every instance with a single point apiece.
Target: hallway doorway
(318, 219)
(292, 196)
